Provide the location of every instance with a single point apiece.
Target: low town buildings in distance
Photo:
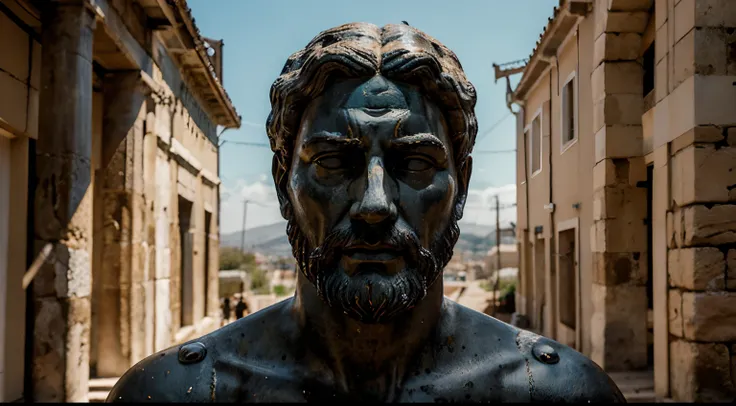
(626, 166)
(109, 182)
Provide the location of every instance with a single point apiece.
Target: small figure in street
(226, 311)
(240, 309)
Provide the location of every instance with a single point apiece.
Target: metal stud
(545, 354)
(192, 353)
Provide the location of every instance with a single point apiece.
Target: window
(535, 149)
(186, 270)
(207, 243)
(568, 111)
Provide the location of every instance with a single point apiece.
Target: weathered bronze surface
(372, 130)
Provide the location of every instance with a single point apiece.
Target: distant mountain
(268, 239)
(271, 239)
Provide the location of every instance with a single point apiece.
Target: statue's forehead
(374, 100)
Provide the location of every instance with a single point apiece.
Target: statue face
(373, 188)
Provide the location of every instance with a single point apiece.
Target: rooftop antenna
(505, 70)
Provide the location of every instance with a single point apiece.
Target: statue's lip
(381, 247)
(379, 253)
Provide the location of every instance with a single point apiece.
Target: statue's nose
(376, 204)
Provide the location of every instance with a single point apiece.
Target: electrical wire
(493, 127)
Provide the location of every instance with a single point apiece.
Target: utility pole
(498, 254)
(242, 232)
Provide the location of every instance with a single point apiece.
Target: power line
(497, 151)
(493, 127)
(250, 144)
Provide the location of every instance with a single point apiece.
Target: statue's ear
(281, 179)
(463, 180)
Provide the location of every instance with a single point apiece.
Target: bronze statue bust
(372, 130)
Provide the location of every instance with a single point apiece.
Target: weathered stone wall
(619, 233)
(140, 305)
(694, 122)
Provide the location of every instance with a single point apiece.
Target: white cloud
(481, 204)
(264, 210)
(254, 125)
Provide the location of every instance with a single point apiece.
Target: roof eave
(180, 17)
(565, 18)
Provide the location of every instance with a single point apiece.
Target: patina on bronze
(372, 130)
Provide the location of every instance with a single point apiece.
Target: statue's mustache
(405, 241)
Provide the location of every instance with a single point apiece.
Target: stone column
(619, 232)
(63, 210)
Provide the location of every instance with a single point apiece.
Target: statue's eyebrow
(331, 138)
(419, 140)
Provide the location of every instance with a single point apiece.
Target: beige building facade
(626, 166)
(109, 189)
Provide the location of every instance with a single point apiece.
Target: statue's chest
(298, 389)
(482, 382)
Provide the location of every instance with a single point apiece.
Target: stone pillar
(120, 302)
(701, 231)
(63, 210)
(619, 233)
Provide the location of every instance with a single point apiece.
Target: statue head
(372, 130)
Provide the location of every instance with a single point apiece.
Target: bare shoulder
(199, 370)
(530, 367)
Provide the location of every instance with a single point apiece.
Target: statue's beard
(373, 297)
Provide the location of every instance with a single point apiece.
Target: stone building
(626, 140)
(509, 257)
(108, 181)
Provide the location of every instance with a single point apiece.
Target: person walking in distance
(240, 309)
(225, 311)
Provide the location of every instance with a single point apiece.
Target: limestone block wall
(190, 159)
(693, 135)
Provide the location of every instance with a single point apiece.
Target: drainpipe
(547, 303)
(522, 112)
(579, 290)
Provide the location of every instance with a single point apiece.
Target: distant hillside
(271, 239)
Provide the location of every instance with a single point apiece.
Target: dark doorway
(650, 265)
(186, 270)
(207, 222)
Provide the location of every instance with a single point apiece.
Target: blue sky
(260, 34)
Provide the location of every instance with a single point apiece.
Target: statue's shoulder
(215, 367)
(538, 368)
(172, 375)
(558, 373)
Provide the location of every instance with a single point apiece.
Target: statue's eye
(331, 162)
(416, 164)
